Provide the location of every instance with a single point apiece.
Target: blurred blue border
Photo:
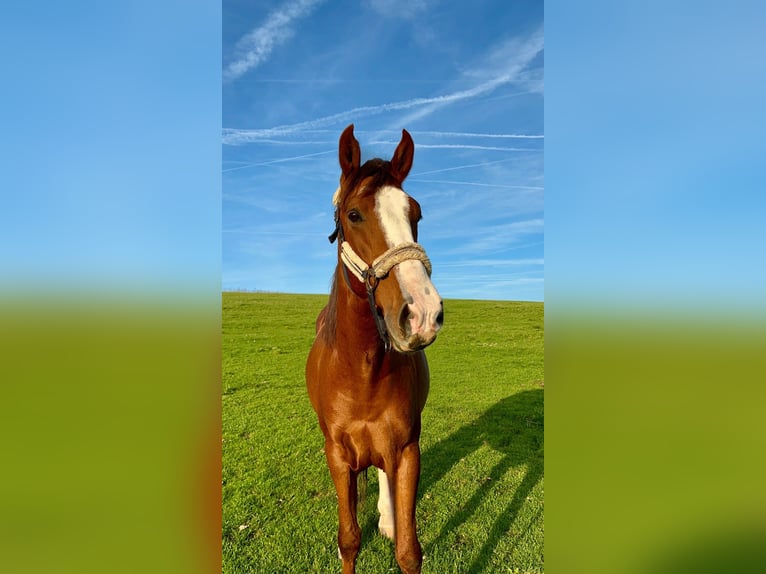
(654, 163)
(111, 141)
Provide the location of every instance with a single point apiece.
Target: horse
(366, 374)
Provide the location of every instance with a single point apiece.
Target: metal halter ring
(371, 280)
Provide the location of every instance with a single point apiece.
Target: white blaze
(393, 207)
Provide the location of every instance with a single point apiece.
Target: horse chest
(372, 442)
(371, 424)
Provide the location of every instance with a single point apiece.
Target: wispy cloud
(458, 146)
(406, 9)
(495, 263)
(456, 167)
(523, 55)
(426, 133)
(288, 142)
(233, 136)
(503, 65)
(496, 238)
(475, 135)
(269, 232)
(280, 160)
(255, 47)
(476, 183)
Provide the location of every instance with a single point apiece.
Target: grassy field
(480, 501)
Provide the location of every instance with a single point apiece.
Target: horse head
(377, 222)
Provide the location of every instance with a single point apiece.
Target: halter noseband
(370, 275)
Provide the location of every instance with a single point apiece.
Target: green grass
(480, 506)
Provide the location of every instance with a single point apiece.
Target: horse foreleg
(349, 533)
(408, 552)
(386, 524)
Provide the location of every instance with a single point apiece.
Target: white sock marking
(385, 506)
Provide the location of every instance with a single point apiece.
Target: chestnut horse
(366, 374)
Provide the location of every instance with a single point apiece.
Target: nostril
(404, 319)
(440, 318)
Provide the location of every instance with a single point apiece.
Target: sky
(465, 79)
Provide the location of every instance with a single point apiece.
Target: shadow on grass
(513, 427)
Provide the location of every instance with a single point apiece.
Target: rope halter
(382, 264)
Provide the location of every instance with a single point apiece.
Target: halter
(370, 275)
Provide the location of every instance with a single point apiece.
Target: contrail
(232, 136)
(460, 146)
(461, 167)
(476, 135)
(451, 182)
(278, 160)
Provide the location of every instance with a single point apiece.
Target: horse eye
(354, 216)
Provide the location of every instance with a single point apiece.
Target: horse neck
(356, 332)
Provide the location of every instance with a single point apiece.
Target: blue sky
(465, 79)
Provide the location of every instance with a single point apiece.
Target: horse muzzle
(417, 326)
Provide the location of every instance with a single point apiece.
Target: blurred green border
(654, 432)
(110, 426)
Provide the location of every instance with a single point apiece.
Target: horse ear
(348, 151)
(402, 160)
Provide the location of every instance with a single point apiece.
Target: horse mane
(329, 328)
